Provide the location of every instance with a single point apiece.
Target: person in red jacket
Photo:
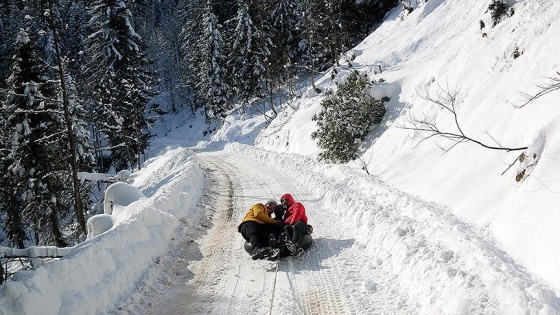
(295, 219)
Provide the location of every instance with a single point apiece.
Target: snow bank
(94, 276)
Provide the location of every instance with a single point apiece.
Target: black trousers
(257, 233)
(295, 231)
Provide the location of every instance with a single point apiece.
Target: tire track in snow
(376, 251)
(210, 281)
(321, 292)
(214, 245)
(245, 292)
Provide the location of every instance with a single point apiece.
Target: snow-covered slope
(440, 48)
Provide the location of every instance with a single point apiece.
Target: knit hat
(270, 201)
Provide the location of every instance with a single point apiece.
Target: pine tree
(497, 10)
(280, 21)
(11, 205)
(120, 82)
(346, 118)
(248, 56)
(74, 142)
(191, 39)
(158, 23)
(71, 20)
(8, 27)
(33, 126)
(213, 75)
(311, 21)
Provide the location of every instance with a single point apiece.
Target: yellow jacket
(257, 213)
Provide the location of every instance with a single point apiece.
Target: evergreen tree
(213, 75)
(71, 20)
(34, 127)
(346, 118)
(8, 25)
(281, 26)
(74, 142)
(311, 26)
(158, 22)
(248, 56)
(497, 10)
(120, 82)
(191, 39)
(225, 10)
(11, 205)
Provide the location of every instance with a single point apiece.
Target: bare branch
(521, 155)
(427, 126)
(545, 89)
(363, 162)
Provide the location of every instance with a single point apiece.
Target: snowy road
(326, 280)
(376, 251)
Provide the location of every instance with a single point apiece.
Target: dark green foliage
(119, 82)
(346, 118)
(212, 67)
(497, 9)
(35, 162)
(268, 43)
(248, 56)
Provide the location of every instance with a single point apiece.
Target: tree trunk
(55, 229)
(271, 93)
(309, 38)
(78, 206)
(336, 35)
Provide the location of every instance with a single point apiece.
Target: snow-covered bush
(121, 194)
(98, 224)
(346, 118)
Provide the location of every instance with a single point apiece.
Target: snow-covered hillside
(440, 48)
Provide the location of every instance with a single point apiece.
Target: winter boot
(294, 249)
(291, 247)
(283, 239)
(259, 252)
(273, 254)
(272, 241)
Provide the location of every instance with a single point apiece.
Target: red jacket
(296, 211)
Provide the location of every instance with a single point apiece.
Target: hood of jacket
(290, 199)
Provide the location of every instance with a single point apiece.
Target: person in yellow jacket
(256, 227)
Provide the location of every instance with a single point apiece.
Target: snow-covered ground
(429, 232)
(376, 250)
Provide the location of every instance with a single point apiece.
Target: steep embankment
(452, 49)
